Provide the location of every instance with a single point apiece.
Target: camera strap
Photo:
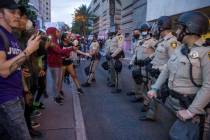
(5, 41)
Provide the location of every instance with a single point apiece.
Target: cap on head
(8, 4)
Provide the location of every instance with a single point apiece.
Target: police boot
(151, 113)
(145, 108)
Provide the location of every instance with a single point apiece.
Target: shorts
(67, 62)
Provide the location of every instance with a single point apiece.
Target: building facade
(43, 11)
(130, 14)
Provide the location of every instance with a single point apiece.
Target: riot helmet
(192, 23)
(164, 23)
(145, 28)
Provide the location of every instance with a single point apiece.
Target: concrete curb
(79, 121)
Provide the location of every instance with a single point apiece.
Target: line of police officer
(175, 69)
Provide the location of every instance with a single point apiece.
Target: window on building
(95, 1)
(103, 0)
(47, 3)
(97, 7)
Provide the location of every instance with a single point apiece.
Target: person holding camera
(12, 121)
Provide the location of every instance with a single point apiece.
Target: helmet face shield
(155, 30)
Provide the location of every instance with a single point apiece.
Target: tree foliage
(81, 18)
(30, 13)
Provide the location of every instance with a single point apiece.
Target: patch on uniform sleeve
(194, 54)
(209, 55)
(174, 44)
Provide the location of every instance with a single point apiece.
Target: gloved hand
(130, 66)
(139, 63)
(184, 115)
(147, 60)
(108, 57)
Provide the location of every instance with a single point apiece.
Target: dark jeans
(184, 130)
(41, 87)
(12, 121)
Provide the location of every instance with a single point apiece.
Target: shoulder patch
(173, 44)
(194, 54)
(209, 55)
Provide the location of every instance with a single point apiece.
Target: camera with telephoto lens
(44, 39)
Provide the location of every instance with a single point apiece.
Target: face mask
(143, 33)
(136, 36)
(29, 25)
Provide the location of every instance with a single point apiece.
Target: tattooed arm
(7, 67)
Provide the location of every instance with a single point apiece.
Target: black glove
(154, 72)
(139, 63)
(130, 66)
(147, 60)
(108, 57)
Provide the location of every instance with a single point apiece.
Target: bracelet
(26, 52)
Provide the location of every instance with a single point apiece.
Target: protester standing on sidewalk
(29, 68)
(12, 121)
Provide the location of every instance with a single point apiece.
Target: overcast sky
(62, 10)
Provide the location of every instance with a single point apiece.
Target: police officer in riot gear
(114, 53)
(143, 49)
(164, 50)
(188, 74)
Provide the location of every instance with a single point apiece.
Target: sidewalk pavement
(62, 122)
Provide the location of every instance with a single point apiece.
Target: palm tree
(81, 17)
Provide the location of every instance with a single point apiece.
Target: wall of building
(157, 8)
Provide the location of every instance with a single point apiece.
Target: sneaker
(35, 124)
(35, 133)
(86, 84)
(61, 93)
(38, 105)
(35, 114)
(58, 100)
(79, 90)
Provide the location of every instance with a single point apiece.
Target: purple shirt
(10, 87)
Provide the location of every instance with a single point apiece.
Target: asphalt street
(110, 116)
